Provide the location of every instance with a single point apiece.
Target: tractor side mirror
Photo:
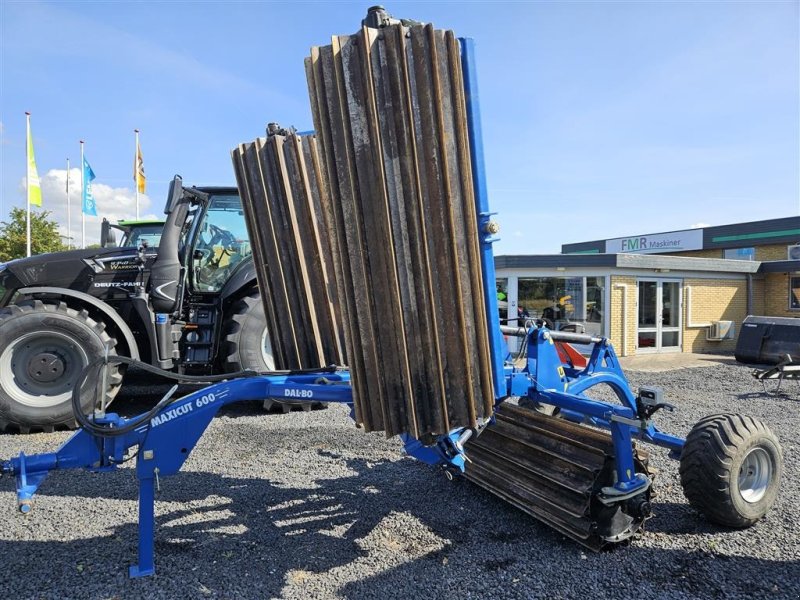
(174, 195)
(107, 236)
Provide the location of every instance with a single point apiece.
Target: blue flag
(89, 207)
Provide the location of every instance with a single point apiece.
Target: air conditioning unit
(793, 252)
(720, 330)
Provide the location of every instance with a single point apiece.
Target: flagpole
(28, 183)
(136, 170)
(69, 213)
(83, 191)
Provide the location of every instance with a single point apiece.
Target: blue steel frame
(163, 444)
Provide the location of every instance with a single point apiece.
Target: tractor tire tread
(234, 325)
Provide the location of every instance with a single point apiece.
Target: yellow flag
(34, 188)
(138, 169)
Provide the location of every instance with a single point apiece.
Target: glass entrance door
(659, 320)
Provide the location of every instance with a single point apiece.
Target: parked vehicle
(187, 301)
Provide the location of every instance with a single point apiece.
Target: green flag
(34, 189)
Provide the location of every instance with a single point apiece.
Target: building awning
(780, 266)
(627, 261)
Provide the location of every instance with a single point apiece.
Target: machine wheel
(248, 345)
(43, 348)
(731, 469)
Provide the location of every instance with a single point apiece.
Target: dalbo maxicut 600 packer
(373, 238)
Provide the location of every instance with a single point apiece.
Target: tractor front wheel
(44, 346)
(731, 468)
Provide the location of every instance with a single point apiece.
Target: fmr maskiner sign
(676, 241)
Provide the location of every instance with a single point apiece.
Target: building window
(739, 253)
(565, 303)
(794, 292)
(502, 299)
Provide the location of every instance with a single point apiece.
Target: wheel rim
(755, 475)
(266, 350)
(38, 369)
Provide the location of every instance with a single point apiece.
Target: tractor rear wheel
(44, 346)
(731, 469)
(248, 346)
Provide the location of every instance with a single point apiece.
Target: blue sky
(600, 119)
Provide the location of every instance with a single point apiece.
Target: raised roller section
(555, 471)
(391, 123)
(279, 184)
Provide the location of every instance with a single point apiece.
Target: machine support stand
(146, 564)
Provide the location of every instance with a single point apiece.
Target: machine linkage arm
(173, 431)
(162, 442)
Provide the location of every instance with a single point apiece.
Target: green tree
(44, 235)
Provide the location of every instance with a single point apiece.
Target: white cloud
(113, 203)
(699, 225)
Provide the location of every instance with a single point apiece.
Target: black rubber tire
(27, 319)
(244, 331)
(710, 466)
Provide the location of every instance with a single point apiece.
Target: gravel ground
(304, 505)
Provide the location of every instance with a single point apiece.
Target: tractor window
(221, 243)
(139, 233)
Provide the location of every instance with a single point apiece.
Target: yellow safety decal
(561, 371)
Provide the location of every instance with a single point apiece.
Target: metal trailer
(590, 483)
(787, 369)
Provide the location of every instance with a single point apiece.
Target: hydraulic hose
(107, 431)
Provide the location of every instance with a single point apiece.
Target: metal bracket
(637, 423)
(612, 495)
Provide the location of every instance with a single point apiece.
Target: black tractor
(188, 303)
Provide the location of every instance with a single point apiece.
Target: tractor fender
(244, 277)
(109, 313)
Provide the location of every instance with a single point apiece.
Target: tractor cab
(219, 242)
(201, 265)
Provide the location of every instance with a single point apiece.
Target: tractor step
(553, 470)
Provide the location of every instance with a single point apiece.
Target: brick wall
(617, 317)
(759, 296)
(715, 253)
(771, 252)
(713, 300)
(766, 252)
